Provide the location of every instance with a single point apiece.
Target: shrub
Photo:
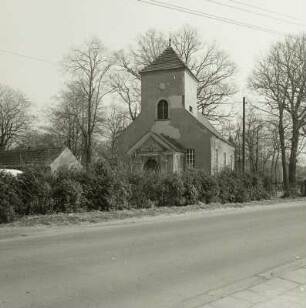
(96, 189)
(293, 191)
(268, 185)
(120, 191)
(103, 188)
(9, 197)
(171, 191)
(67, 195)
(140, 195)
(227, 187)
(302, 185)
(207, 187)
(35, 192)
(257, 189)
(237, 188)
(242, 193)
(191, 192)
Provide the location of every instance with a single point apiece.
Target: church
(170, 135)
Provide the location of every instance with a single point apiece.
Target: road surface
(148, 264)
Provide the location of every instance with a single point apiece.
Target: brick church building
(169, 134)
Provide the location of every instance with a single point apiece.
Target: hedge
(104, 188)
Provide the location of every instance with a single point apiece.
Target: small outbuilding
(49, 158)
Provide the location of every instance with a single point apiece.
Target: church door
(151, 165)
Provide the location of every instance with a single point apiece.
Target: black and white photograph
(152, 154)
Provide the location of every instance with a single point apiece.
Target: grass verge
(62, 219)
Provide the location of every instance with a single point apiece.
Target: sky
(46, 29)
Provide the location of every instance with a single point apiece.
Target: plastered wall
(65, 159)
(222, 155)
(190, 93)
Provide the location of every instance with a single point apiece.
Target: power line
(253, 12)
(263, 9)
(27, 57)
(211, 16)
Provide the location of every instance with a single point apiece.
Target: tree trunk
(83, 151)
(293, 159)
(283, 151)
(88, 151)
(88, 145)
(272, 164)
(251, 159)
(257, 152)
(276, 167)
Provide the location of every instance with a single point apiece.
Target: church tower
(167, 84)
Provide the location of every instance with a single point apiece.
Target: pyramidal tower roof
(167, 60)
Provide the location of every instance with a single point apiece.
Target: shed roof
(23, 157)
(167, 60)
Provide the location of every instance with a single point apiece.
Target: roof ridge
(34, 149)
(167, 60)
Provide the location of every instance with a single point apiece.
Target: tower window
(190, 159)
(190, 108)
(162, 110)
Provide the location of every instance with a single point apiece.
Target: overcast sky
(45, 29)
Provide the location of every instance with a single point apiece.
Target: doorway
(151, 165)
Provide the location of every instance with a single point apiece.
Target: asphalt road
(148, 264)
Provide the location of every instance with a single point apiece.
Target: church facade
(170, 135)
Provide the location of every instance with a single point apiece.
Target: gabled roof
(200, 119)
(174, 144)
(43, 156)
(167, 60)
(165, 142)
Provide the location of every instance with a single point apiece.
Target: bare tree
(209, 64)
(128, 90)
(38, 138)
(261, 140)
(116, 121)
(261, 144)
(14, 116)
(88, 66)
(280, 78)
(66, 119)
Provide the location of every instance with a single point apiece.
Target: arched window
(162, 110)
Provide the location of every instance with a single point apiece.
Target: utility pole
(243, 137)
